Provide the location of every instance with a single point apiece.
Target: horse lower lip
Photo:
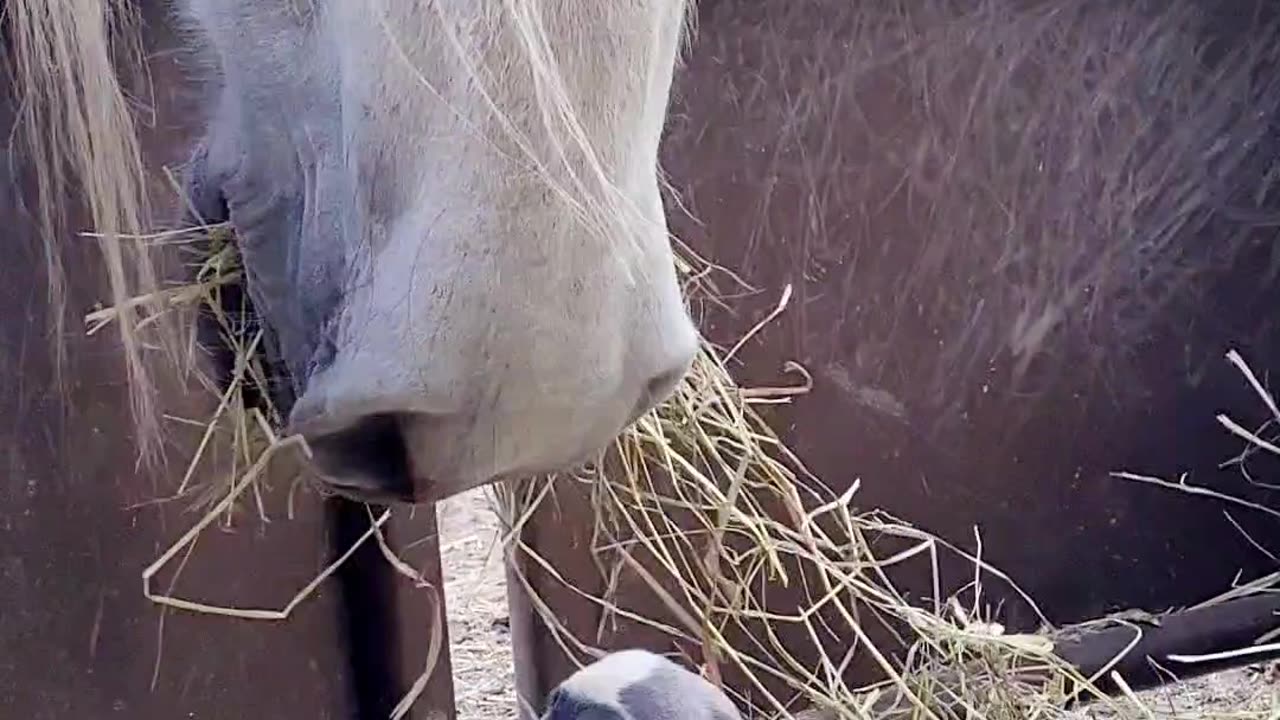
(376, 489)
(368, 458)
(372, 496)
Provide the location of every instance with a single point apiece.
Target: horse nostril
(661, 386)
(368, 457)
(658, 389)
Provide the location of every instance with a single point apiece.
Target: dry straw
(687, 501)
(247, 434)
(682, 505)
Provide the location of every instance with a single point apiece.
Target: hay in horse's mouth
(254, 393)
(366, 462)
(253, 402)
(228, 323)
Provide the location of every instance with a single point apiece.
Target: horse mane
(81, 139)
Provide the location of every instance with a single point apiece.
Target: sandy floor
(481, 645)
(476, 598)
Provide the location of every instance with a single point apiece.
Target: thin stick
(187, 538)
(1182, 486)
(1227, 654)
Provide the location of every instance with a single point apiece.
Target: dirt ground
(476, 599)
(484, 680)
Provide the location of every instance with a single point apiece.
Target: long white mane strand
(75, 123)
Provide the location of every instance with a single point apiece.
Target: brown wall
(915, 236)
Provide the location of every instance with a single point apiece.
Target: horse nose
(662, 385)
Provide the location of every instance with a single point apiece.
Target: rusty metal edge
(525, 643)
(1205, 631)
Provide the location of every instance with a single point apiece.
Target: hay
(249, 434)
(708, 456)
(1254, 443)
(683, 502)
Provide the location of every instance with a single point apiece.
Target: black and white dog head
(637, 685)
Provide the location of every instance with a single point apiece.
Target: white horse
(448, 211)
